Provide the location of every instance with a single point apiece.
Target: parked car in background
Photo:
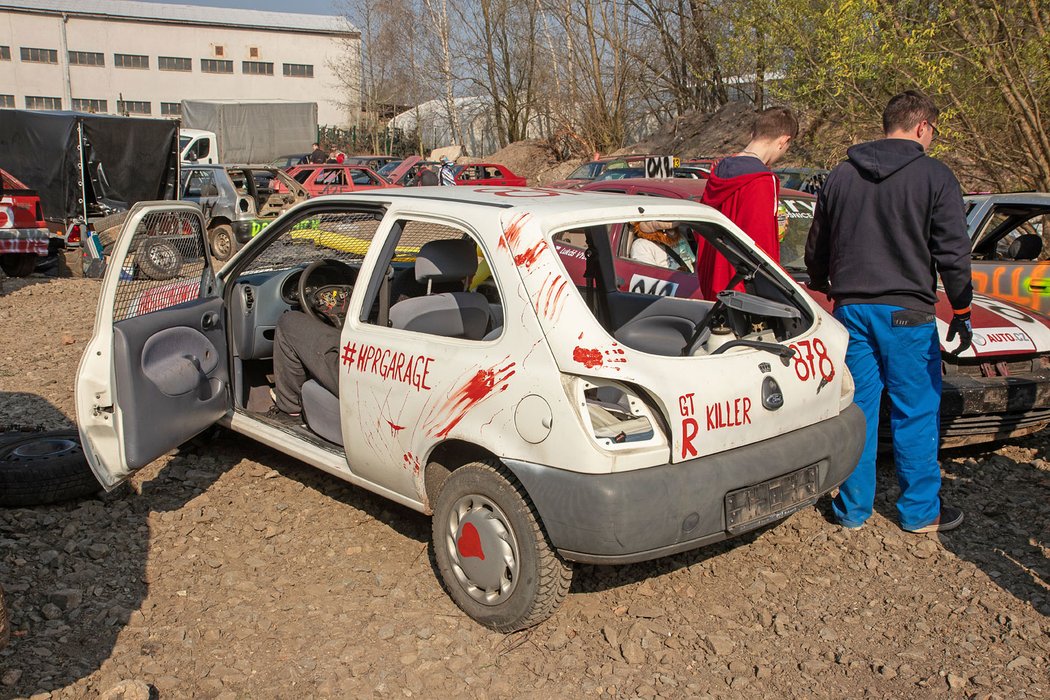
(290, 161)
(406, 172)
(24, 237)
(487, 174)
(605, 427)
(1010, 235)
(335, 179)
(371, 162)
(592, 170)
(808, 180)
(238, 201)
(998, 388)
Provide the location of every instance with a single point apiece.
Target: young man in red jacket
(743, 188)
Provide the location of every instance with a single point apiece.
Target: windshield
(184, 141)
(587, 171)
(799, 213)
(389, 167)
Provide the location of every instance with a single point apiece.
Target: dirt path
(230, 571)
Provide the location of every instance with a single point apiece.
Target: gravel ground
(228, 570)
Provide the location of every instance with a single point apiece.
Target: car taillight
(40, 216)
(614, 416)
(74, 234)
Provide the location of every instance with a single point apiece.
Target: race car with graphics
(540, 422)
(997, 389)
(1009, 233)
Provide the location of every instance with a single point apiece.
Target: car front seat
(450, 314)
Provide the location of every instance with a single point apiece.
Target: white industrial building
(143, 58)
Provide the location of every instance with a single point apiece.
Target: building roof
(186, 14)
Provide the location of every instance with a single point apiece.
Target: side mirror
(1025, 247)
(191, 156)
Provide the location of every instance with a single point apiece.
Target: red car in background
(23, 232)
(487, 174)
(335, 179)
(998, 388)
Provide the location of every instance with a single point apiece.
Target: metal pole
(67, 87)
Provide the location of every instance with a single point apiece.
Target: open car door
(155, 372)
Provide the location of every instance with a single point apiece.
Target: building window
(94, 106)
(298, 70)
(7, 101)
(173, 109)
(175, 63)
(256, 68)
(86, 58)
(5, 53)
(39, 55)
(253, 52)
(130, 60)
(35, 102)
(211, 65)
(133, 107)
(220, 50)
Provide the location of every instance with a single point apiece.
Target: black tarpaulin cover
(127, 159)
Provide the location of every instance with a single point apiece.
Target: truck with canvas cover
(88, 167)
(245, 131)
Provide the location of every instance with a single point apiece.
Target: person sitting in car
(659, 243)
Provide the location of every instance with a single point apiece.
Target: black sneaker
(276, 414)
(949, 519)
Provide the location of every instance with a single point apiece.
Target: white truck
(245, 131)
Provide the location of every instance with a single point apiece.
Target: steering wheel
(325, 287)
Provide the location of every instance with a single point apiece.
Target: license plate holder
(754, 506)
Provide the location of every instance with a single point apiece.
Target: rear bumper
(982, 409)
(649, 513)
(33, 241)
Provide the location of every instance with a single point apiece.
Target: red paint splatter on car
(511, 234)
(473, 391)
(530, 255)
(394, 428)
(411, 462)
(588, 357)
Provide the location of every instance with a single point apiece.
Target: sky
(312, 7)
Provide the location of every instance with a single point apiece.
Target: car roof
(1041, 198)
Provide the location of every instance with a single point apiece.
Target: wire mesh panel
(344, 236)
(166, 264)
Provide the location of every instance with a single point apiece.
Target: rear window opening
(648, 298)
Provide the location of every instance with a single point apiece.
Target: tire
(222, 242)
(482, 506)
(18, 264)
(111, 221)
(158, 258)
(42, 468)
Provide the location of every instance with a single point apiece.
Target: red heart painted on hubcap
(469, 543)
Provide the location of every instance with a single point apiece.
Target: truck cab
(198, 146)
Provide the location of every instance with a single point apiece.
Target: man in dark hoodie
(887, 221)
(743, 188)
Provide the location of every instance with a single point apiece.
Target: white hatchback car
(539, 423)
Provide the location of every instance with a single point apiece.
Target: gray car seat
(450, 314)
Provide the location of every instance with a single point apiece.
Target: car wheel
(18, 264)
(223, 243)
(493, 554)
(42, 468)
(158, 259)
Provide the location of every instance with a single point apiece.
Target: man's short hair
(773, 123)
(906, 110)
(317, 145)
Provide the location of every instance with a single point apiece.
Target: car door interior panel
(180, 383)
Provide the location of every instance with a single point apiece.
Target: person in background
(427, 177)
(743, 188)
(659, 243)
(317, 155)
(447, 173)
(888, 220)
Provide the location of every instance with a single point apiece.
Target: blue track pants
(893, 353)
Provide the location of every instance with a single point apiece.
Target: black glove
(960, 325)
(819, 286)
